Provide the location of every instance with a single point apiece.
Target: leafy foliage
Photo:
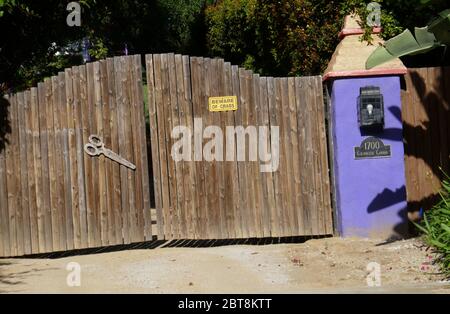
(436, 227)
(277, 38)
(34, 31)
(298, 37)
(284, 37)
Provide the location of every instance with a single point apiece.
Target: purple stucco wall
(370, 193)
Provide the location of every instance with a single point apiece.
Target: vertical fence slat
(32, 197)
(136, 105)
(108, 219)
(116, 189)
(212, 209)
(66, 163)
(120, 77)
(266, 147)
(59, 213)
(190, 182)
(155, 147)
(4, 175)
(129, 149)
(11, 173)
(254, 108)
(231, 189)
(143, 153)
(273, 120)
(239, 203)
(39, 242)
(181, 166)
(162, 138)
(197, 92)
(22, 221)
(74, 234)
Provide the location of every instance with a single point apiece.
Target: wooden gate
(200, 199)
(55, 197)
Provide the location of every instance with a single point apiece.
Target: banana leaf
(427, 38)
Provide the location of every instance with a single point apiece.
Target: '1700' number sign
(372, 147)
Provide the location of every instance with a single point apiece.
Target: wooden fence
(234, 199)
(426, 121)
(53, 196)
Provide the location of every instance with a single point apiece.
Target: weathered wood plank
(22, 175)
(115, 190)
(121, 78)
(176, 188)
(23, 217)
(11, 174)
(154, 139)
(254, 109)
(198, 92)
(143, 176)
(178, 114)
(275, 217)
(267, 158)
(39, 244)
(60, 187)
(237, 167)
(133, 189)
(45, 224)
(30, 100)
(190, 181)
(296, 159)
(305, 173)
(162, 144)
(241, 119)
(281, 178)
(87, 94)
(52, 139)
(73, 126)
(107, 221)
(136, 105)
(219, 120)
(99, 179)
(324, 176)
(4, 148)
(68, 217)
(209, 167)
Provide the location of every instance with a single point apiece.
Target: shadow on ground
(148, 245)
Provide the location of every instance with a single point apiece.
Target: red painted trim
(364, 73)
(357, 31)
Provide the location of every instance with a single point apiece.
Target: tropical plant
(436, 227)
(436, 34)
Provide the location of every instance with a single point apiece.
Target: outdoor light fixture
(370, 108)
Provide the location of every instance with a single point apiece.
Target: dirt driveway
(325, 265)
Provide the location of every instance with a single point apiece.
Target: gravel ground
(326, 266)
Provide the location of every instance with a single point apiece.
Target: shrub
(436, 227)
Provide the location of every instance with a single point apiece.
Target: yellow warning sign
(224, 103)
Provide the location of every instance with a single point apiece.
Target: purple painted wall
(370, 193)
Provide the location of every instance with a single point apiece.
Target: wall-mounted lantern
(370, 108)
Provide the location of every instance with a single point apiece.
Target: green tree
(298, 37)
(33, 31)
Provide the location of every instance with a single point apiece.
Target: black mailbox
(370, 108)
